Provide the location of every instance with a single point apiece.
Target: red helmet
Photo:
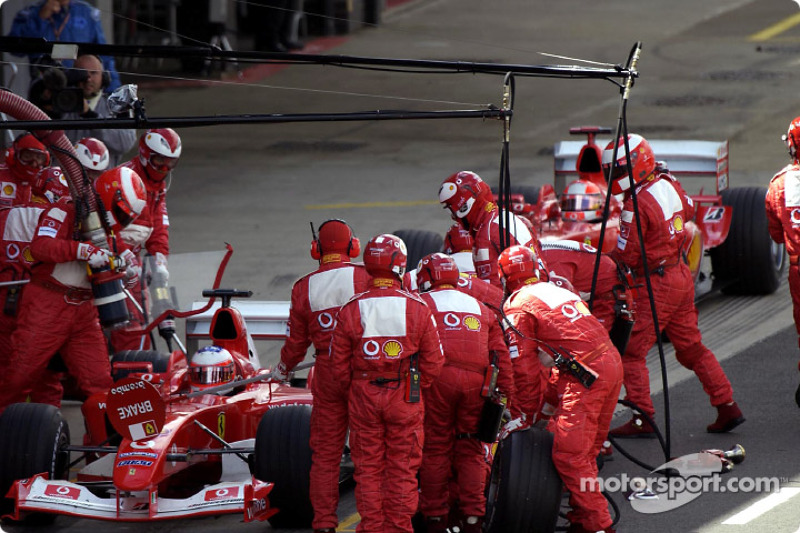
(27, 156)
(643, 162)
(457, 239)
(93, 154)
(792, 138)
(123, 195)
(582, 201)
(211, 366)
(386, 255)
(436, 269)
(335, 236)
(520, 265)
(159, 150)
(464, 194)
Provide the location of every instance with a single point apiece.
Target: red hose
(21, 109)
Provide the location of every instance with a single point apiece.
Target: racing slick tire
(283, 457)
(749, 261)
(33, 439)
(419, 243)
(524, 490)
(160, 361)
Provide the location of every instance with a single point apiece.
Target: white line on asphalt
(762, 506)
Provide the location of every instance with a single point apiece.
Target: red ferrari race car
(730, 248)
(176, 439)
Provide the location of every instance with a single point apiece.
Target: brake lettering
(128, 411)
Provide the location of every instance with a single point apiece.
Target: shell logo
(392, 349)
(8, 190)
(677, 223)
(472, 323)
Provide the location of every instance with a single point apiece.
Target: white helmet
(211, 366)
(92, 153)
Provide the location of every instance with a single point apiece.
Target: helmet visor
(162, 163)
(209, 375)
(121, 210)
(581, 202)
(619, 171)
(32, 158)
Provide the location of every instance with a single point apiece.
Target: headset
(353, 247)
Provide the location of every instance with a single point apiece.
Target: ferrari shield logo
(221, 425)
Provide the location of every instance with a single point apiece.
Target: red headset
(353, 246)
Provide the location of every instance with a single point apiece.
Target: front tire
(524, 491)
(33, 439)
(283, 457)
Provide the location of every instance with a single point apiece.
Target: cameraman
(88, 75)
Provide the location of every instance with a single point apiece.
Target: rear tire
(160, 361)
(524, 491)
(749, 261)
(283, 457)
(419, 243)
(33, 439)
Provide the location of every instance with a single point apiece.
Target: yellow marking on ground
(776, 29)
(354, 205)
(348, 523)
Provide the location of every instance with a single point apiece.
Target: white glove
(96, 257)
(514, 424)
(280, 372)
(161, 265)
(133, 271)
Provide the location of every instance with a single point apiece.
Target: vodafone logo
(451, 320)
(371, 349)
(794, 216)
(62, 491)
(227, 493)
(325, 320)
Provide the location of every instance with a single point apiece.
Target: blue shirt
(83, 26)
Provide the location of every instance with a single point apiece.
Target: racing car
(730, 248)
(168, 451)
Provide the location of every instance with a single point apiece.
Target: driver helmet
(211, 366)
(582, 201)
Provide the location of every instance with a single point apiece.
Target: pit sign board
(135, 409)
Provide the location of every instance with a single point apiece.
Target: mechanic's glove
(545, 414)
(280, 372)
(96, 257)
(133, 271)
(161, 266)
(515, 424)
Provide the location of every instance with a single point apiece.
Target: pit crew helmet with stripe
(27, 156)
(465, 194)
(457, 239)
(211, 366)
(582, 201)
(792, 139)
(123, 195)
(435, 270)
(159, 151)
(643, 162)
(520, 265)
(93, 155)
(386, 256)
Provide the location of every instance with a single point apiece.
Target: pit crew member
(385, 353)
(57, 311)
(316, 298)
(458, 245)
(550, 322)
(469, 200)
(664, 208)
(783, 217)
(474, 345)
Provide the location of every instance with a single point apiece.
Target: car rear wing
(701, 159)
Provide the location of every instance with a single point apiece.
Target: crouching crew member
(554, 324)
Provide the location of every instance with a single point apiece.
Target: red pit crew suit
(664, 209)
(542, 315)
(149, 232)
(783, 220)
(316, 298)
(470, 336)
(575, 261)
(486, 234)
(374, 339)
(57, 314)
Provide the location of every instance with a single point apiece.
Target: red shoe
(635, 428)
(728, 417)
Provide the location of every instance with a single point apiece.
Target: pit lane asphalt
(704, 75)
